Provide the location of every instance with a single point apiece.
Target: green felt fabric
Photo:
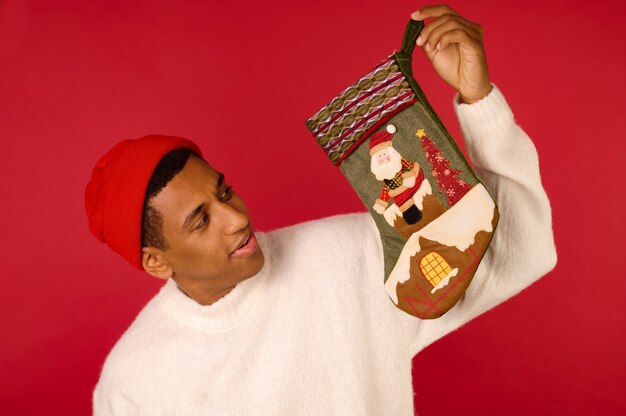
(346, 142)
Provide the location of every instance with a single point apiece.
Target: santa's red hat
(114, 197)
(382, 139)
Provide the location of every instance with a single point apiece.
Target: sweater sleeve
(110, 396)
(522, 248)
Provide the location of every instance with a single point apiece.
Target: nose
(233, 218)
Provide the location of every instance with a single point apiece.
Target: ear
(153, 262)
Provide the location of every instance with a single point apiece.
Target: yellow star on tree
(420, 133)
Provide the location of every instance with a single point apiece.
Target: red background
(240, 79)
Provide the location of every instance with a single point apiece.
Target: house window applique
(437, 270)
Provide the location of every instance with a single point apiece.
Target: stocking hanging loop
(411, 33)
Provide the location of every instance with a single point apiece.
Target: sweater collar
(228, 311)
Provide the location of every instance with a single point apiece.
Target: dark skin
(455, 47)
(199, 257)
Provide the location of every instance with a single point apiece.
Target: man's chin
(254, 263)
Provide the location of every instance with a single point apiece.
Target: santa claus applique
(402, 180)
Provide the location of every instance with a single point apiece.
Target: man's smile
(246, 246)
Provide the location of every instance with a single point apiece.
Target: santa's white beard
(388, 169)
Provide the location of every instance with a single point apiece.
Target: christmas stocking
(434, 216)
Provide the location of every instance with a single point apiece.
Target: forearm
(522, 249)
(507, 163)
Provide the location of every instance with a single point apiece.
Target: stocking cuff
(349, 118)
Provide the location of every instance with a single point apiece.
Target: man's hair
(152, 222)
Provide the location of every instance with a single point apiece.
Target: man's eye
(202, 222)
(227, 192)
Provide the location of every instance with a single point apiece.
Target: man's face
(204, 223)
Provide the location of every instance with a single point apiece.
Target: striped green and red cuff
(349, 118)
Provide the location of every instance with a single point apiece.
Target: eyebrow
(193, 214)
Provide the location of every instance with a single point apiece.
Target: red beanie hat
(114, 196)
(382, 139)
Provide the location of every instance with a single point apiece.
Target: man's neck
(203, 297)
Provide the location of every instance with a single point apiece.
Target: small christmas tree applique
(453, 187)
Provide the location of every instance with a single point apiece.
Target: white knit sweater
(314, 332)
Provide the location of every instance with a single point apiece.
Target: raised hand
(455, 47)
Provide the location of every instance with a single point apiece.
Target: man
(297, 321)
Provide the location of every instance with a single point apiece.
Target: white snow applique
(457, 227)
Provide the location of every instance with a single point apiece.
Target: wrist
(477, 97)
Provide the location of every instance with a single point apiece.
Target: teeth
(245, 242)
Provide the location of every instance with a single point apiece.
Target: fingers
(457, 36)
(432, 11)
(439, 29)
(446, 19)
